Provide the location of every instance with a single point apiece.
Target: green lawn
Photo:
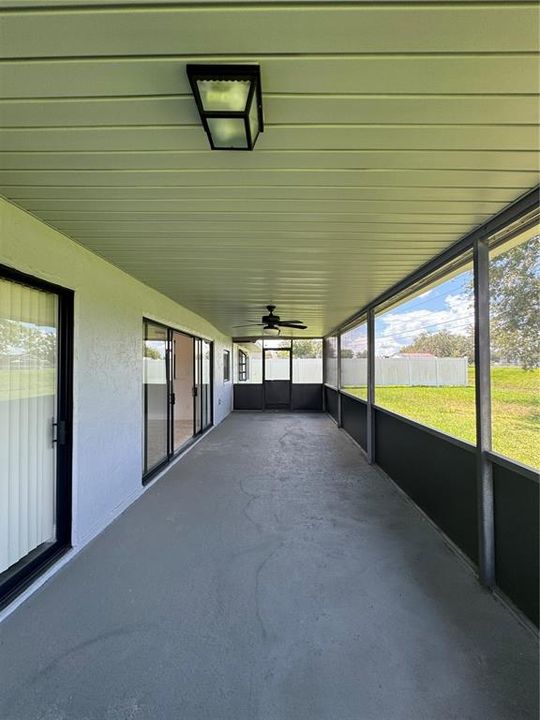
(27, 383)
(515, 410)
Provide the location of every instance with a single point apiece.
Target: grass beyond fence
(515, 397)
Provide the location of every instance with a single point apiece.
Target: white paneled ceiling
(392, 129)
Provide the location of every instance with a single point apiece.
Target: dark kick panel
(277, 394)
(305, 397)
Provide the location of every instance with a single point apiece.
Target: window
(330, 361)
(424, 353)
(247, 357)
(226, 366)
(515, 350)
(307, 361)
(243, 366)
(353, 352)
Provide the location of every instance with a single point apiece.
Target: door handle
(59, 432)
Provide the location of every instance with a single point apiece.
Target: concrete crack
(252, 497)
(258, 572)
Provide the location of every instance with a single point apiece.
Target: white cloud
(359, 344)
(401, 328)
(356, 340)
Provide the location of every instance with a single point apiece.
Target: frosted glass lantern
(229, 100)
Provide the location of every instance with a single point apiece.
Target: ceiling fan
(274, 323)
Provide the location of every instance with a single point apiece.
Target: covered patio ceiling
(392, 129)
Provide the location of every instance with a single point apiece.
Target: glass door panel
(156, 394)
(206, 399)
(177, 382)
(182, 387)
(197, 385)
(29, 342)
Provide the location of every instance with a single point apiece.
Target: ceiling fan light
(271, 330)
(229, 101)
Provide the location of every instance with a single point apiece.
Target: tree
(443, 344)
(515, 304)
(304, 348)
(347, 353)
(23, 339)
(330, 347)
(151, 352)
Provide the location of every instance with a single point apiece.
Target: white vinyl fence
(406, 371)
(154, 371)
(305, 370)
(388, 371)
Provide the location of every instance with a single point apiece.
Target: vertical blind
(28, 388)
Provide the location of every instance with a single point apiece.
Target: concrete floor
(270, 575)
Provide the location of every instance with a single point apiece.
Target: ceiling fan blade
(288, 323)
(292, 322)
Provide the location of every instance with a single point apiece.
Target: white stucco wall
(109, 307)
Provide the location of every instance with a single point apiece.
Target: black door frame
(264, 381)
(20, 575)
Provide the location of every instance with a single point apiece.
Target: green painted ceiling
(392, 129)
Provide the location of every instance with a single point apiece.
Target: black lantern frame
(250, 73)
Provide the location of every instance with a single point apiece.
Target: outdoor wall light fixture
(229, 100)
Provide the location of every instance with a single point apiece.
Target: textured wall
(109, 307)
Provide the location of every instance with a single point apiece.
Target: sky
(443, 307)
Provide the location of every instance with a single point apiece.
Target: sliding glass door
(156, 395)
(177, 383)
(203, 385)
(183, 382)
(206, 386)
(197, 390)
(35, 425)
